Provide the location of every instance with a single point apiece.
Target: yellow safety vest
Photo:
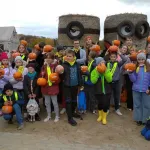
(5, 98)
(113, 68)
(89, 68)
(48, 73)
(23, 56)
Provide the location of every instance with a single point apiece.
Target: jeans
(116, 93)
(17, 110)
(141, 110)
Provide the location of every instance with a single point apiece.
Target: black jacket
(66, 74)
(27, 86)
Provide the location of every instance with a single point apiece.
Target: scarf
(138, 68)
(72, 63)
(32, 75)
(76, 49)
(21, 69)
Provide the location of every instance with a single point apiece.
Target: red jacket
(49, 90)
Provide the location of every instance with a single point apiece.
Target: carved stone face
(126, 25)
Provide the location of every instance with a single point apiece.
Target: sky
(41, 17)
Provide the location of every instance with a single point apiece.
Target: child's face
(31, 69)
(5, 61)
(148, 48)
(132, 50)
(141, 61)
(18, 63)
(113, 57)
(61, 52)
(70, 57)
(49, 60)
(129, 42)
(21, 48)
(123, 50)
(89, 41)
(9, 92)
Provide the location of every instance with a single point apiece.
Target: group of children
(98, 87)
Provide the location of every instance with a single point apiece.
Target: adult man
(79, 53)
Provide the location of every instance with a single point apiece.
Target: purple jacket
(141, 80)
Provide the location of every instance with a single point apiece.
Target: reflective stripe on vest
(113, 68)
(89, 68)
(48, 73)
(23, 56)
(5, 98)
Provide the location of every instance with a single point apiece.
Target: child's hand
(130, 71)
(148, 92)
(33, 95)
(30, 96)
(107, 52)
(6, 103)
(10, 103)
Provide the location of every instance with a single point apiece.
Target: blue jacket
(141, 80)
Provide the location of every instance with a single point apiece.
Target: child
(51, 90)
(10, 97)
(89, 87)
(7, 69)
(102, 90)
(140, 88)
(18, 83)
(30, 87)
(129, 44)
(59, 56)
(114, 66)
(23, 52)
(71, 81)
(148, 53)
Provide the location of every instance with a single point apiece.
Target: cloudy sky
(40, 17)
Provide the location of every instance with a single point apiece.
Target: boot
(104, 121)
(100, 112)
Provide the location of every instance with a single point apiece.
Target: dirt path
(121, 133)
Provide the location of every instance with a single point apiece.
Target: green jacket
(102, 81)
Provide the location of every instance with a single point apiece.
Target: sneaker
(75, 115)
(107, 112)
(21, 126)
(139, 123)
(94, 112)
(47, 119)
(56, 119)
(63, 111)
(72, 122)
(118, 112)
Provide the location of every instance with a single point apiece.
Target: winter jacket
(7, 76)
(88, 73)
(15, 99)
(28, 83)
(66, 76)
(102, 82)
(116, 75)
(49, 90)
(82, 59)
(18, 84)
(140, 79)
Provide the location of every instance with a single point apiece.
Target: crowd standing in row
(57, 77)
